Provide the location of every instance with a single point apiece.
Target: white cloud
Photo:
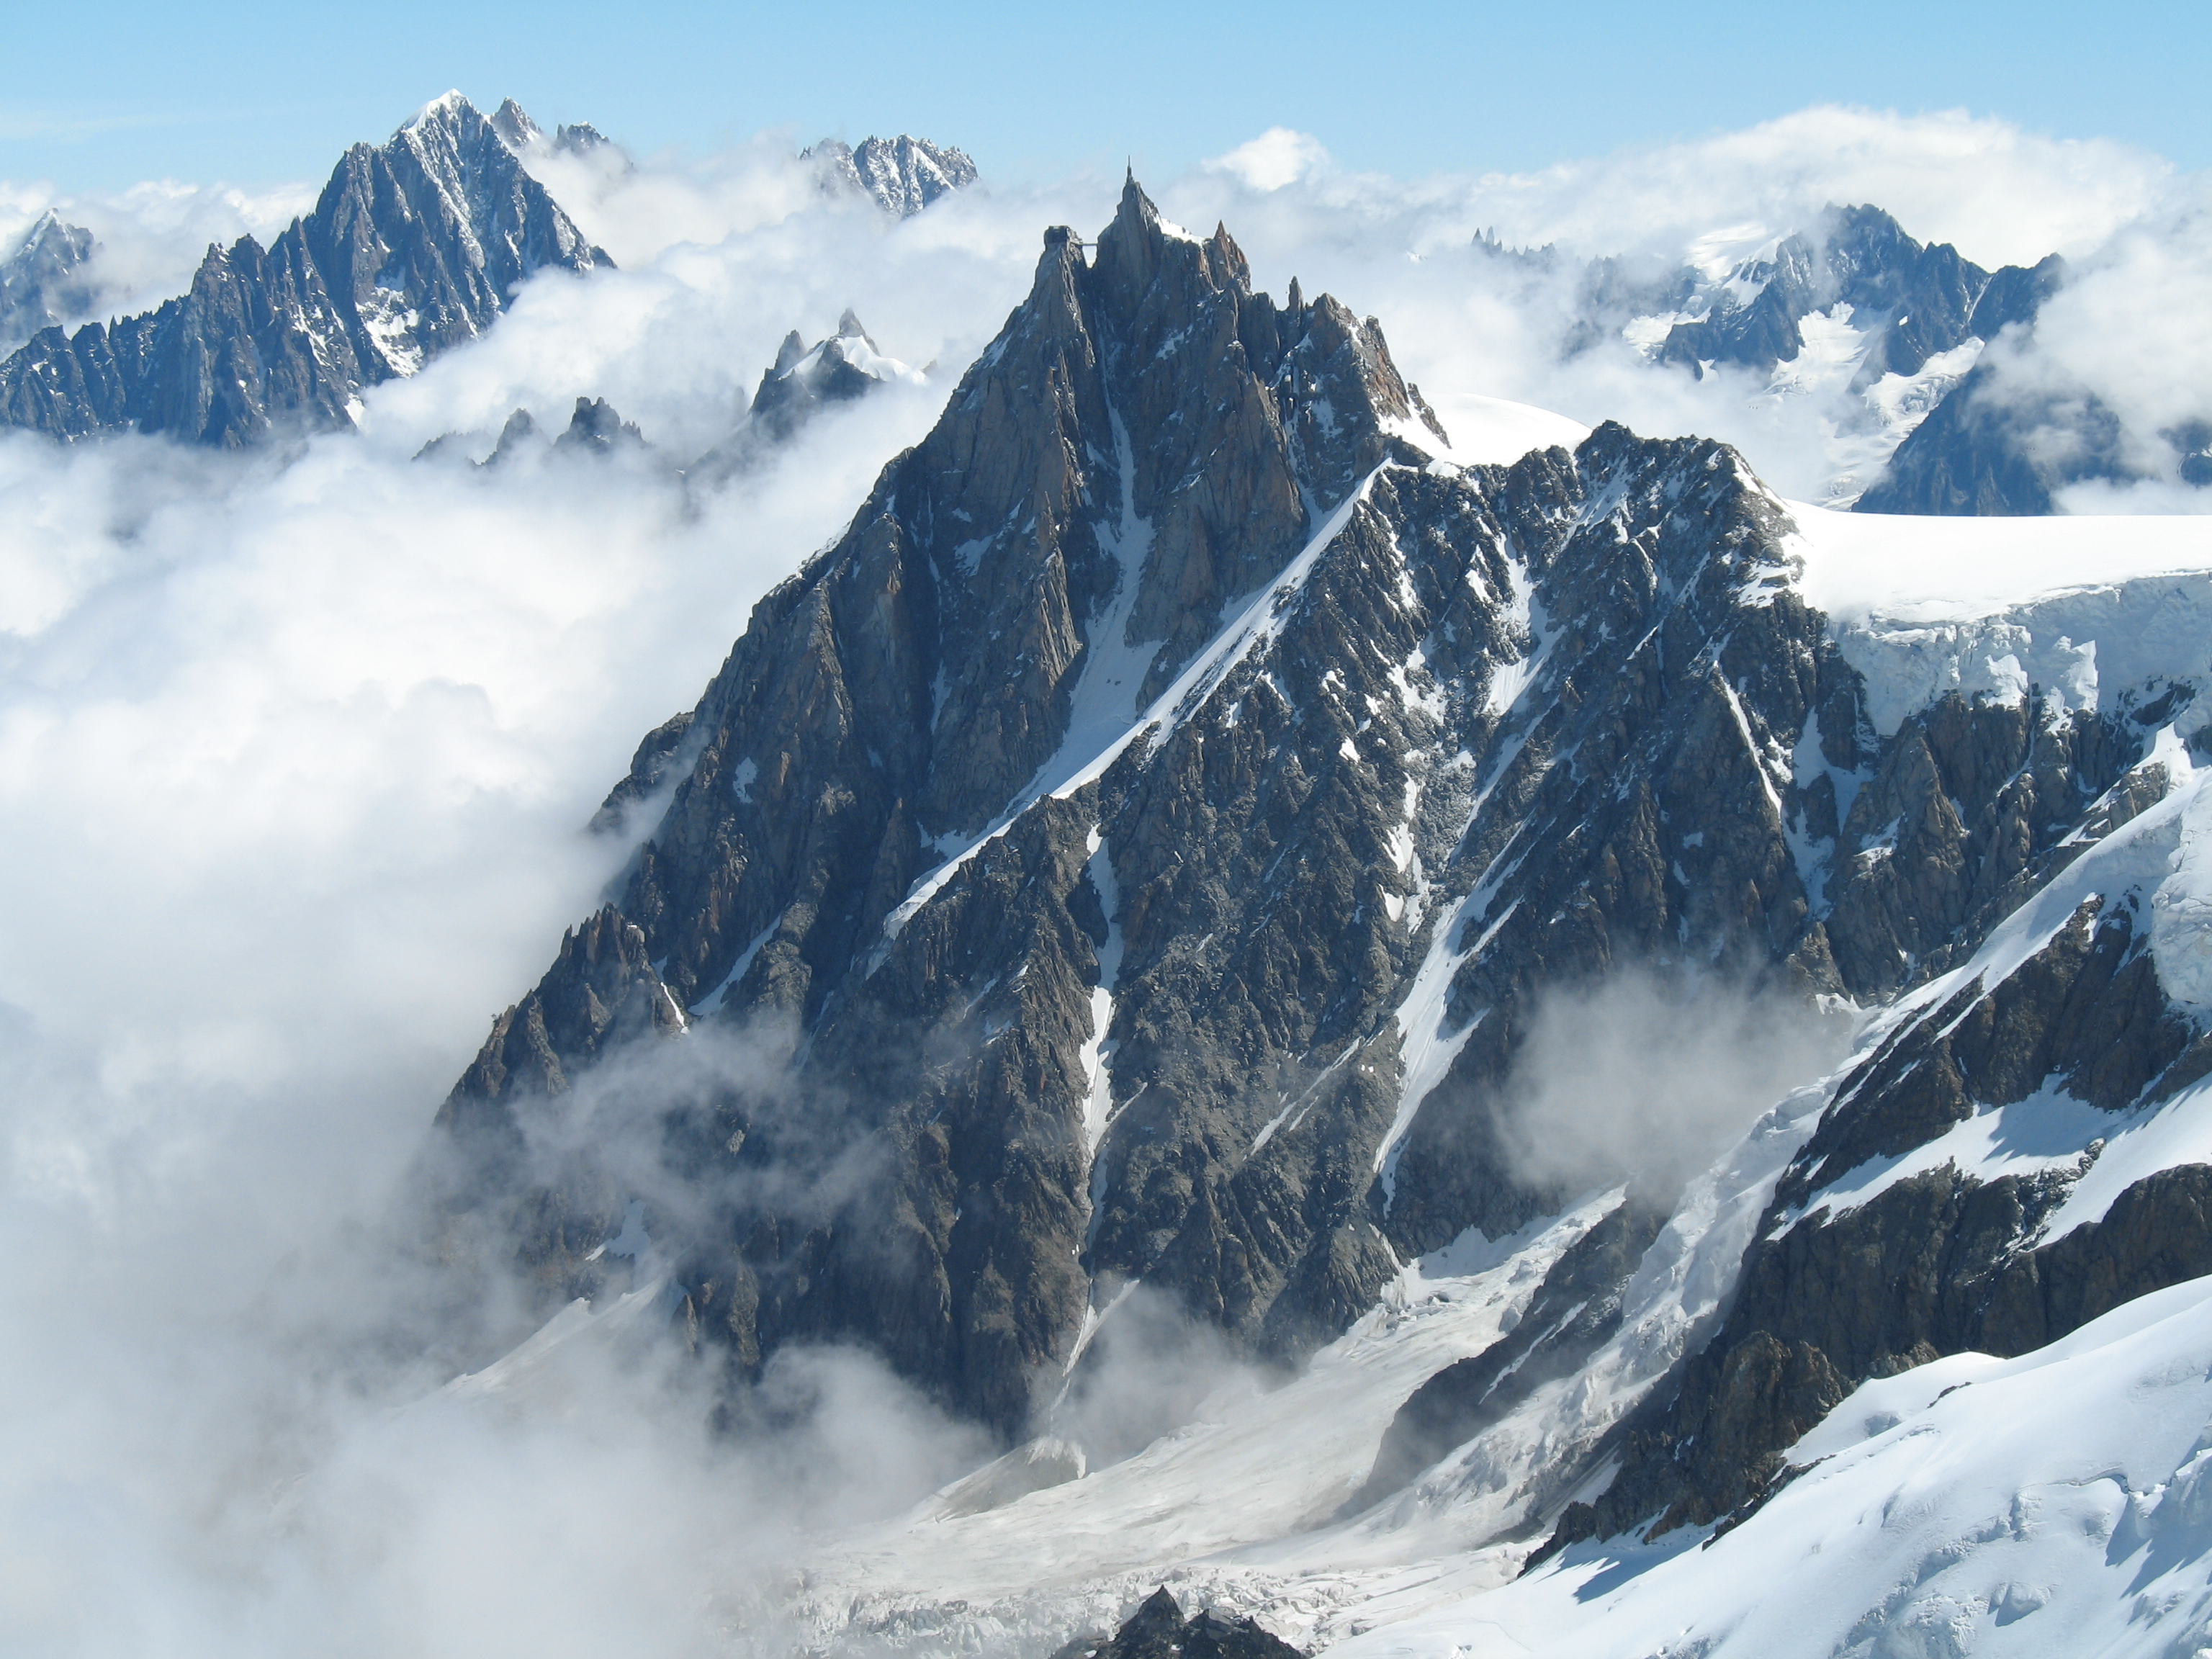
(1278, 156)
(1653, 1075)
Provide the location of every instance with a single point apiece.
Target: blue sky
(261, 93)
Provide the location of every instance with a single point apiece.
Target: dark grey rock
(902, 694)
(1996, 449)
(1573, 711)
(1988, 452)
(594, 429)
(1157, 1630)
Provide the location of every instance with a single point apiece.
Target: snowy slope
(2061, 1503)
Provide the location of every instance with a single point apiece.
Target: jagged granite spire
(47, 279)
(514, 127)
(414, 246)
(798, 385)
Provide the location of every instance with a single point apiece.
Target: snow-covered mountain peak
(447, 106)
(414, 246)
(902, 175)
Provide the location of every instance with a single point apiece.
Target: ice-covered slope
(2052, 1504)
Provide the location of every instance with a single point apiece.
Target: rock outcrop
(798, 386)
(1157, 1630)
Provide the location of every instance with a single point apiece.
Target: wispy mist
(1646, 1075)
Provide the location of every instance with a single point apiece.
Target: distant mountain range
(415, 247)
(902, 175)
(419, 244)
(1853, 304)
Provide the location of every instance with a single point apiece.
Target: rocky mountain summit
(901, 175)
(1854, 308)
(1142, 850)
(1855, 265)
(414, 246)
(798, 385)
(47, 281)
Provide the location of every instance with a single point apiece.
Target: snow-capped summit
(801, 381)
(445, 106)
(47, 279)
(844, 366)
(415, 246)
(902, 175)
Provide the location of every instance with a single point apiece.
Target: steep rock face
(1147, 837)
(47, 281)
(1027, 569)
(413, 247)
(599, 992)
(1984, 452)
(1991, 451)
(549, 1201)
(1913, 859)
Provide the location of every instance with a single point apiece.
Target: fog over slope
(297, 747)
